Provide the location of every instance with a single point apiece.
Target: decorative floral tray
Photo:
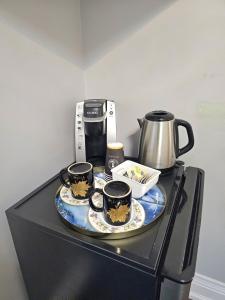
(78, 215)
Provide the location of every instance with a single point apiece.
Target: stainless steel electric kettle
(159, 143)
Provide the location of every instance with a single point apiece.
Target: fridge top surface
(143, 251)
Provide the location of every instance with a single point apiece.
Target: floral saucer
(137, 219)
(66, 195)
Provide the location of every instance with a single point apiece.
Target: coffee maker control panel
(79, 133)
(111, 122)
(94, 110)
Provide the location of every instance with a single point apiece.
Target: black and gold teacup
(116, 202)
(78, 177)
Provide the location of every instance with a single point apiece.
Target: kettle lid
(159, 116)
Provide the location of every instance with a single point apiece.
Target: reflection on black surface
(183, 200)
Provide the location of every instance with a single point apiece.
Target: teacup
(116, 202)
(79, 179)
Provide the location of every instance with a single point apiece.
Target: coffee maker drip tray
(97, 161)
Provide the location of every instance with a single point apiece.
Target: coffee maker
(95, 126)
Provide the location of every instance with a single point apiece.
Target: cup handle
(62, 179)
(95, 208)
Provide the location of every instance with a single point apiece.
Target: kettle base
(178, 163)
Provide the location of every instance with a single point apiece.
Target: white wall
(54, 24)
(106, 22)
(177, 62)
(38, 90)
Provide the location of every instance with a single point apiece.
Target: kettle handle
(190, 144)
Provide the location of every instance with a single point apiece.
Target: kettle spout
(140, 122)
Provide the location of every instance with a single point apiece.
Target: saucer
(137, 219)
(67, 197)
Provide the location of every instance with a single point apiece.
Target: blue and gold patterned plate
(137, 219)
(77, 216)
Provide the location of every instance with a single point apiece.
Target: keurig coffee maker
(95, 126)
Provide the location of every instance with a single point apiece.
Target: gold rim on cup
(78, 173)
(117, 197)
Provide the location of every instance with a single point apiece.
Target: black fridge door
(179, 266)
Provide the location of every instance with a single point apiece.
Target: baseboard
(206, 288)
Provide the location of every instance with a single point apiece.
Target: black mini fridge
(60, 263)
